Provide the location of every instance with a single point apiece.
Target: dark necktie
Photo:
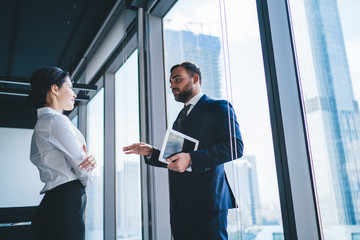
(181, 117)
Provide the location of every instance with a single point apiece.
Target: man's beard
(184, 95)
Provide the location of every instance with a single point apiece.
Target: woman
(58, 151)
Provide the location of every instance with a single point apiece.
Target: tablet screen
(175, 142)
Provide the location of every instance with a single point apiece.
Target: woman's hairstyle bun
(41, 81)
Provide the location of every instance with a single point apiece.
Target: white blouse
(57, 149)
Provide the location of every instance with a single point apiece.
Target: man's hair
(190, 67)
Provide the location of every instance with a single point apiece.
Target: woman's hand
(89, 162)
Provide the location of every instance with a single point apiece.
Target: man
(200, 199)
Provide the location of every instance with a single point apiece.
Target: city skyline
(332, 110)
(202, 49)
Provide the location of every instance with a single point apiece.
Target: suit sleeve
(64, 139)
(154, 159)
(228, 145)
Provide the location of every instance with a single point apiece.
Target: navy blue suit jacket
(205, 188)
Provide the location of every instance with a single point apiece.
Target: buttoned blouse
(57, 149)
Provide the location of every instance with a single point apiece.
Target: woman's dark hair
(41, 81)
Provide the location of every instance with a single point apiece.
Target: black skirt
(60, 214)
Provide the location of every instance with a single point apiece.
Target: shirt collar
(44, 110)
(195, 99)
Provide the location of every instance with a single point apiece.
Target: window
(193, 32)
(355, 236)
(327, 42)
(75, 121)
(95, 191)
(128, 195)
(278, 236)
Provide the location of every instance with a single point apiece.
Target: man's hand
(142, 149)
(89, 162)
(179, 162)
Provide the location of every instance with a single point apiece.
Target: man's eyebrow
(176, 76)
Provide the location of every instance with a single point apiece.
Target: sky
(350, 18)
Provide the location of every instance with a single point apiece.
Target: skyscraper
(332, 117)
(204, 50)
(242, 176)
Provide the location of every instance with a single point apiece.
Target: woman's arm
(64, 138)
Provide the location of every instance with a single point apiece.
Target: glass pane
(20, 183)
(193, 31)
(128, 195)
(327, 40)
(95, 191)
(75, 121)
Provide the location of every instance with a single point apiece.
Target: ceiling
(37, 33)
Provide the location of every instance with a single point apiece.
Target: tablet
(175, 142)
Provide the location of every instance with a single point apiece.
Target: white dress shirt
(193, 101)
(57, 149)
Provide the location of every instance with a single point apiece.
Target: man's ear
(54, 89)
(196, 78)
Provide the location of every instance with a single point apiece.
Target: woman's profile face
(66, 96)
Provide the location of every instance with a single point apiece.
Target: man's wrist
(150, 153)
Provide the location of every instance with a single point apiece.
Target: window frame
(294, 170)
(297, 195)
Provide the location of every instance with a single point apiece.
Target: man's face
(181, 84)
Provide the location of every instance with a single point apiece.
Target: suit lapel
(193, 115)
